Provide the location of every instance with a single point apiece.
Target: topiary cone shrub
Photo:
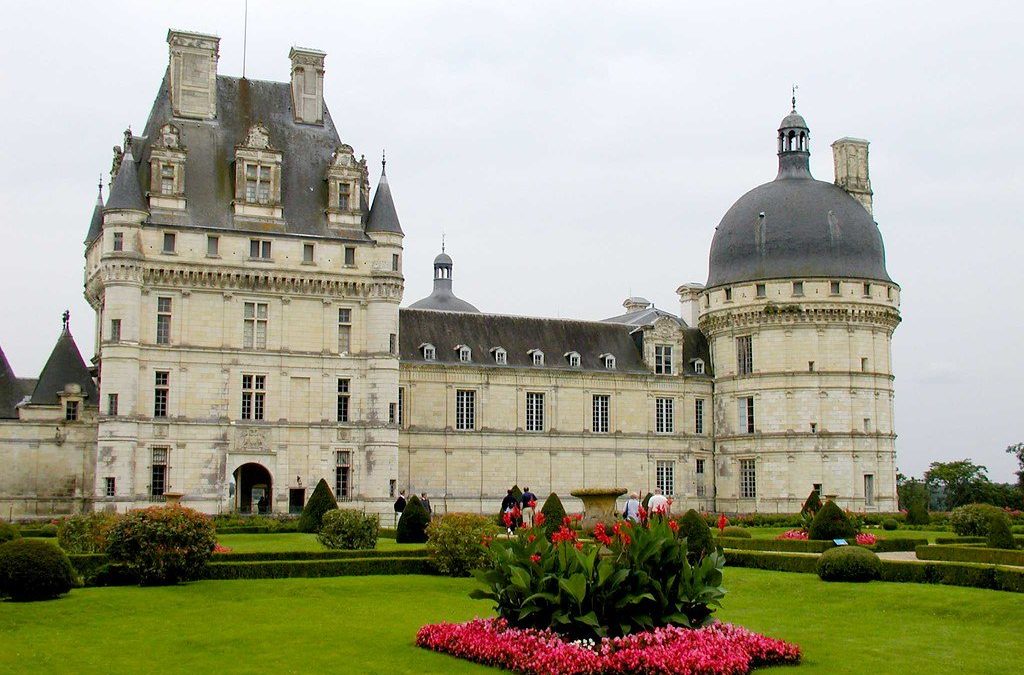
(162, 544)
(699, 541)
(412, 526)
(849, 563)
(320, 502)
(917, 513)
(811, 505)
(999, 534)
(34, 570)
(831, 523)
(553, 512)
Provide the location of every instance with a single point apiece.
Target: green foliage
(34, 570)
(341, 567)
(1017, 450)
(890, 525)
(412, 526)
(553, 512)
(917, 513)
(811, 505)
(972, 554)
(831, 523)
(517, 494)
(646, 500)
(740, 532)
(320, 502)
(349, 529)
(849, 563)
(644, 581)
(776, 562)
(999, 535)
(972, 520)
(454, 542)
(162, 544)
(8, 531)
(699, 541)
(86, 533)
(234, 523)
(958, 483)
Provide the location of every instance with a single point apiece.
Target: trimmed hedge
(973, 554)
(849, 563)
(776, 562)
(267, 556)
(699, 541)
(285, 569)
(943, 541)
(737, 532)
(813, 546)
(412, 526)
(39, 532)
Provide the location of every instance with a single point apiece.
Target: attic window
(257, 183)
(573, 358)
(465, 353)
(344, 195)
(429, 353)
(867, 290)
(500, 356)
(762, 290)
(698, 366)
(798, 288)
(609, 361)
(537, 357)
(834, 288)
(728, 294)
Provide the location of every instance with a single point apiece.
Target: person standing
(658, 504)
(426, 504)
(529, 501)
(632, 510)
(399, 506)
(508, 504)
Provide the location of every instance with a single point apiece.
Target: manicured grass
(367, 625)
(930, 535)
(289, 541)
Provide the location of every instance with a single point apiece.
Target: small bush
(8, 532)
(849, 563)
(86, 533)
(349, 529)
(890, 524)
(699, 541)
(740, 532)
(831, 523)
(646, 500)
(34, 570)
(162, 544)
(454, 542)
(412, 526)
(553, 512)
(811, 505)
(320, 502)
(999, 535)
(917, 513)
(972, 520)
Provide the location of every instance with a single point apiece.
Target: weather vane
(66, 318)
(795, 87)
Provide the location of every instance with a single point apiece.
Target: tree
(1017, 450)
(320, 502)
(961, 482)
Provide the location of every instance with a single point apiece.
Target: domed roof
(796, 226)
(443, 259)
(793, 120)
(442, 298)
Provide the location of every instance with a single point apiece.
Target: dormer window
(608, 360)
(536, 357)
(346, 186)
(429, 353)
(500, 356)
(257, 183)
(698, 366)
(167, 170)
(573, 358)
(465, 353)
(257, 175)
(344, 194)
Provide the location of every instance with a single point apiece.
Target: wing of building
(249, 340)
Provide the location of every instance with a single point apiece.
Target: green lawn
(367, 625)
(930, 535)
(289, 541)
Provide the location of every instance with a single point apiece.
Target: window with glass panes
(698, 416)
(158, 472)
(401, 406)
(71, 411)
(212, 245)
(163, 321)
(161, 392)
(257, 184)
(344, 393)
(166, 179)
(111, 404)
(343, 474)
(255, 316)
(344, 195)
(115, 330)
(745, 414)
(663, 359)
(748, 479)
(110, 486)
(665, 476)
(601, 416)
(534, 411)
(664, 418)
(254, 393)
(465, 409)
(344, 330)
(259, 248)
(744, 355)
(118, 241)
(699, 478)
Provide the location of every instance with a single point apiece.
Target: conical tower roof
(10, 392)
(125, 192)
(65, 366)
(96, 224)
(383, 217)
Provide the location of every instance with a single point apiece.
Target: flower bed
(717, 648)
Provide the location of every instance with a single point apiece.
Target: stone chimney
(193, 74)
(851, 160)
(307, 85)
(633, 303)
(689, 302)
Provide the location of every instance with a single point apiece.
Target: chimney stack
(689, 302)
(193, 74)
(851, 162)
(307, 85)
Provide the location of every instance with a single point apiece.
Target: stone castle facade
(249, 340)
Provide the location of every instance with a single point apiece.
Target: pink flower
(799, 535)
(866, 539)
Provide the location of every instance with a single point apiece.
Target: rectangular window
(118, 241)
(501, 357)
(602, 404)
(161, 392)
(393, 343)
(798, 288)
(728, 294)
(867, 425)
(344, 330)
(110, 487)
(664, 416)
(166, 179)
(257, 184)
(699, 468)
(158, 482)
(534, 411)
(761, 290)
(255, 316)
(745, 414)
(259, 248)
(867, 290)
(665, 477)
(869, 489)
(392, 413)
(744, 355)
(71, 411)
(115, 330)
(254, 393)
(663, 359)
(111, 404)
(401, 406)
(748, 479)
(212, 245)
(343, 474)
(168, 242)
(350, 256)
(864, 364)
(834, 288)
(307, 253)
(698, 416)
(465, 409)
(344, 195)
(163, 321)
(343, 399)
(810, 366)
(394, 262)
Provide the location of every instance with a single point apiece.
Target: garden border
(973, 554)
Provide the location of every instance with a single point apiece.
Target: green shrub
(972, 520)
(849, 563)
(778, 562)
(831, 523)
(86, 533)
(890, 524)
(553, 512)
(740, 532)
(999, 535)
(699, 541)
(454, 542)
(162, 544)
(811, 505)
(971, 554)
(917, 513)
(349, 529)
(8, 532)
(286, 569)
(34, 570)
(646, 500)
(320, 502)
(412, 526)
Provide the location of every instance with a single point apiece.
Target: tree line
(947, 485)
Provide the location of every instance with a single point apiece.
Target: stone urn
(173, 498)
(598, 506)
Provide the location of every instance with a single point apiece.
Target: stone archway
(254, 483)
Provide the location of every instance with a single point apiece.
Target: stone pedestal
(598, 506)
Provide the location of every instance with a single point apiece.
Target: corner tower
(799, 311)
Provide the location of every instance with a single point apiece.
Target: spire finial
(795, 87)
(100, 186)
(384, 162)
(442, 241)
(66, 319)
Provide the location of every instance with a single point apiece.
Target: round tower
(799, 312)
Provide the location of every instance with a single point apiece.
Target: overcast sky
(575, 153)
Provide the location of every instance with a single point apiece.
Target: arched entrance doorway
(253, 494)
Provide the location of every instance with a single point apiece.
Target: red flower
(532, 504)
(535, 558)
(532, 538)
(722, 522)
(221, 549)
(673, 525)
(539, 518)
(567, 521)
(507, 518)
(642, 512)
(579, 546)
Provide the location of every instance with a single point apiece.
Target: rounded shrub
(349, 529)
(34, 570)
(999, 535)
(412, 526)
(735, 531)
(849, 563)
(48, 530)
(320, 502)
(454, 542)
(699, 541)
(890, 524)
(85, 533)
(553, 512)
(8, 531)
(972, 520)
(162, 544)
(831, 523)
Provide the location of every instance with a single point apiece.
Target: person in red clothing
(722, 522)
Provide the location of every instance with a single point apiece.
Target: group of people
(401, 502)
(657, 504)
(520, 511)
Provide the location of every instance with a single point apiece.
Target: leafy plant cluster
(86, 533)
(8, 532)
(162, 544)
(349, 529)
(453, 542)
(973, 520)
